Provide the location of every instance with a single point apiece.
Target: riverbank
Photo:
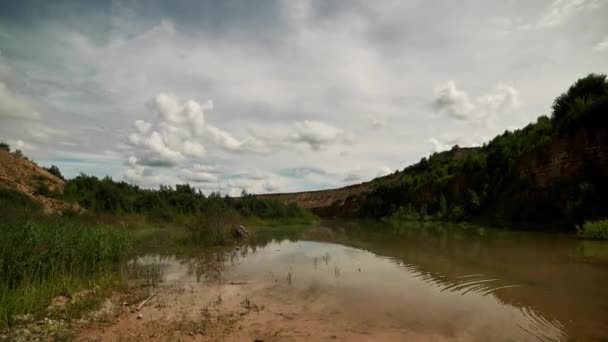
(352, 280)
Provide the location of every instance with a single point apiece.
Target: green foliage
(15, 205)
(594, 230)
(39, 261)
(581, 99)
(54, 170)
(42, 189)
(488, 181)
(167, 203)
(4, 146)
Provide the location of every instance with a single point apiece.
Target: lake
(369, 281)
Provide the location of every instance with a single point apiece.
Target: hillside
(552, 173)
(322, 200)
(20, 174)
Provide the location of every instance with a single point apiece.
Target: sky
(280, 96)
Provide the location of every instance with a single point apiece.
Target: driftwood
(144, 302)
(238, 283)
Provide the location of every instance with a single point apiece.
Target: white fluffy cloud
(179, 131)
(457, 103)
(197, 176)
(305, 72)
(317, 134)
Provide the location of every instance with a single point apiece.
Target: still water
(456, 283)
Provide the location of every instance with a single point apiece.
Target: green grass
(42, 260)
(594, 230)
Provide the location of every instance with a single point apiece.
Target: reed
(42, 260)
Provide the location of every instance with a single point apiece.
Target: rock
(240, 231)
(139, 316)
(58, 304)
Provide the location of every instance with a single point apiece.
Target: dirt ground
(241, 311)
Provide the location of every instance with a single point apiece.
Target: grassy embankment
(42, 258)
(81, 257)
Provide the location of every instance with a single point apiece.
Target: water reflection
(480, 285)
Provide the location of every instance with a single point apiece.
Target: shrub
(595, 230)
(54, 170)
(5, 146)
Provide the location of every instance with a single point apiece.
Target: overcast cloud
(277, 96)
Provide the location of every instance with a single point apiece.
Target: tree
(568, 107)
(18, 153)
(54, 170)
(5, 146)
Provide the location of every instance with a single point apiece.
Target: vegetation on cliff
(512, 179)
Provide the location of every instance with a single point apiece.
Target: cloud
(21, 145)
(314, 134)
(457, 103)
(354, 175)
(373, 120)
(446, 143)
(282, 65)
(179, 131)
(43, 133)
(561, 10)
(14, 106)
(145, 176)
(197, 176)
(318, 135)
(385, 170)
(602, 45)
(300, 172)
(439, 146)
(453, 101)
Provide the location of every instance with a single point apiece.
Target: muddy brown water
(390, 283)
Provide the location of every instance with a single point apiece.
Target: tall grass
(42, 260)
(594, 230)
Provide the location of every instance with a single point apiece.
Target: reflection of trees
(210, 264)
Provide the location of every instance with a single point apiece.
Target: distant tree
(5, 146)
(54, 170)
(18, 153)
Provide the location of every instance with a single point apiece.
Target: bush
(54, 170)
(595, 230)
(5, 146)
(14, 205)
